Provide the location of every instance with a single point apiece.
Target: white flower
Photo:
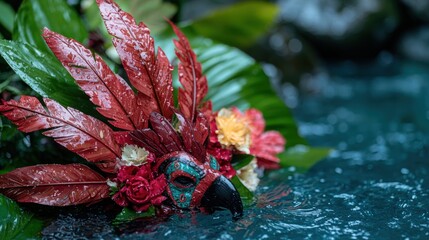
(133, 155)
(112, 184)
(248, 176)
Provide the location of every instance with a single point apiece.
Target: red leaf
(54, 185)
(149, 74)
(116, 100)
(82, 134)
(194, 83)
(166, 132)
(194, 135)
(148, 139)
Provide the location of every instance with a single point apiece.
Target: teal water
(375, 185)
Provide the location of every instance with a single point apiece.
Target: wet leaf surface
(57, 15)
(238, 25)
(16, 223)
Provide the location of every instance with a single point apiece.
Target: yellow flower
(248, 176)
(232, 131)
(133, 155)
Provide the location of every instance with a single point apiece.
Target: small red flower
(139, 189)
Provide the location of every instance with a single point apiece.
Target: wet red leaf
(194, 83)
(54, 185)
(148, 139)
(166, 132)
(194, 135)
(80, 133)
(116, 100)
(150, 75)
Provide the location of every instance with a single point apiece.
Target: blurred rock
(414, 45)
(343, 28)
(419, 8)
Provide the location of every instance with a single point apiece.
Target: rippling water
(375, 185)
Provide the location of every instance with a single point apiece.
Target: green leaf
(235, 79)
(151, 12)
(128, 215)
(16, 223)
(45, 75)
(246, 195)
(241, 160)
(303, 157)
(7, 16)
(239, 25)
(57, 15)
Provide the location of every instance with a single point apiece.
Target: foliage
(57, 15)
(240, 161)
(16, 223)
(7, 16)
(246, 195)
(54, 184)
(151, 12)
(127, 215)
(44, 74)
(302, 157)
(238, 25)
(233, 77)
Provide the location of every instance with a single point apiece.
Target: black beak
(222, 194)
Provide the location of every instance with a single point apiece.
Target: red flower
(264, 145)
(139, 189)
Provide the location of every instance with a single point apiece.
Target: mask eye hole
(183, 181)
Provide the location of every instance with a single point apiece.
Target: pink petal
(266, 147)
(256, 121)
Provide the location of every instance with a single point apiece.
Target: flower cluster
(136, 184)
(233, 132)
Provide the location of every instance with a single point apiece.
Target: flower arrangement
(151, 153)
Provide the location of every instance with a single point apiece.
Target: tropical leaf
(15, 223)
(115, 98)
(7, 16)
(246, 195)
(303, 157)
(239, 161)
(82, 134)
(149, 74)
(57, 15)
(237, 25)
(128, 215)
(194, 83)
(54, 185)
(45, 75)
(151, 12)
